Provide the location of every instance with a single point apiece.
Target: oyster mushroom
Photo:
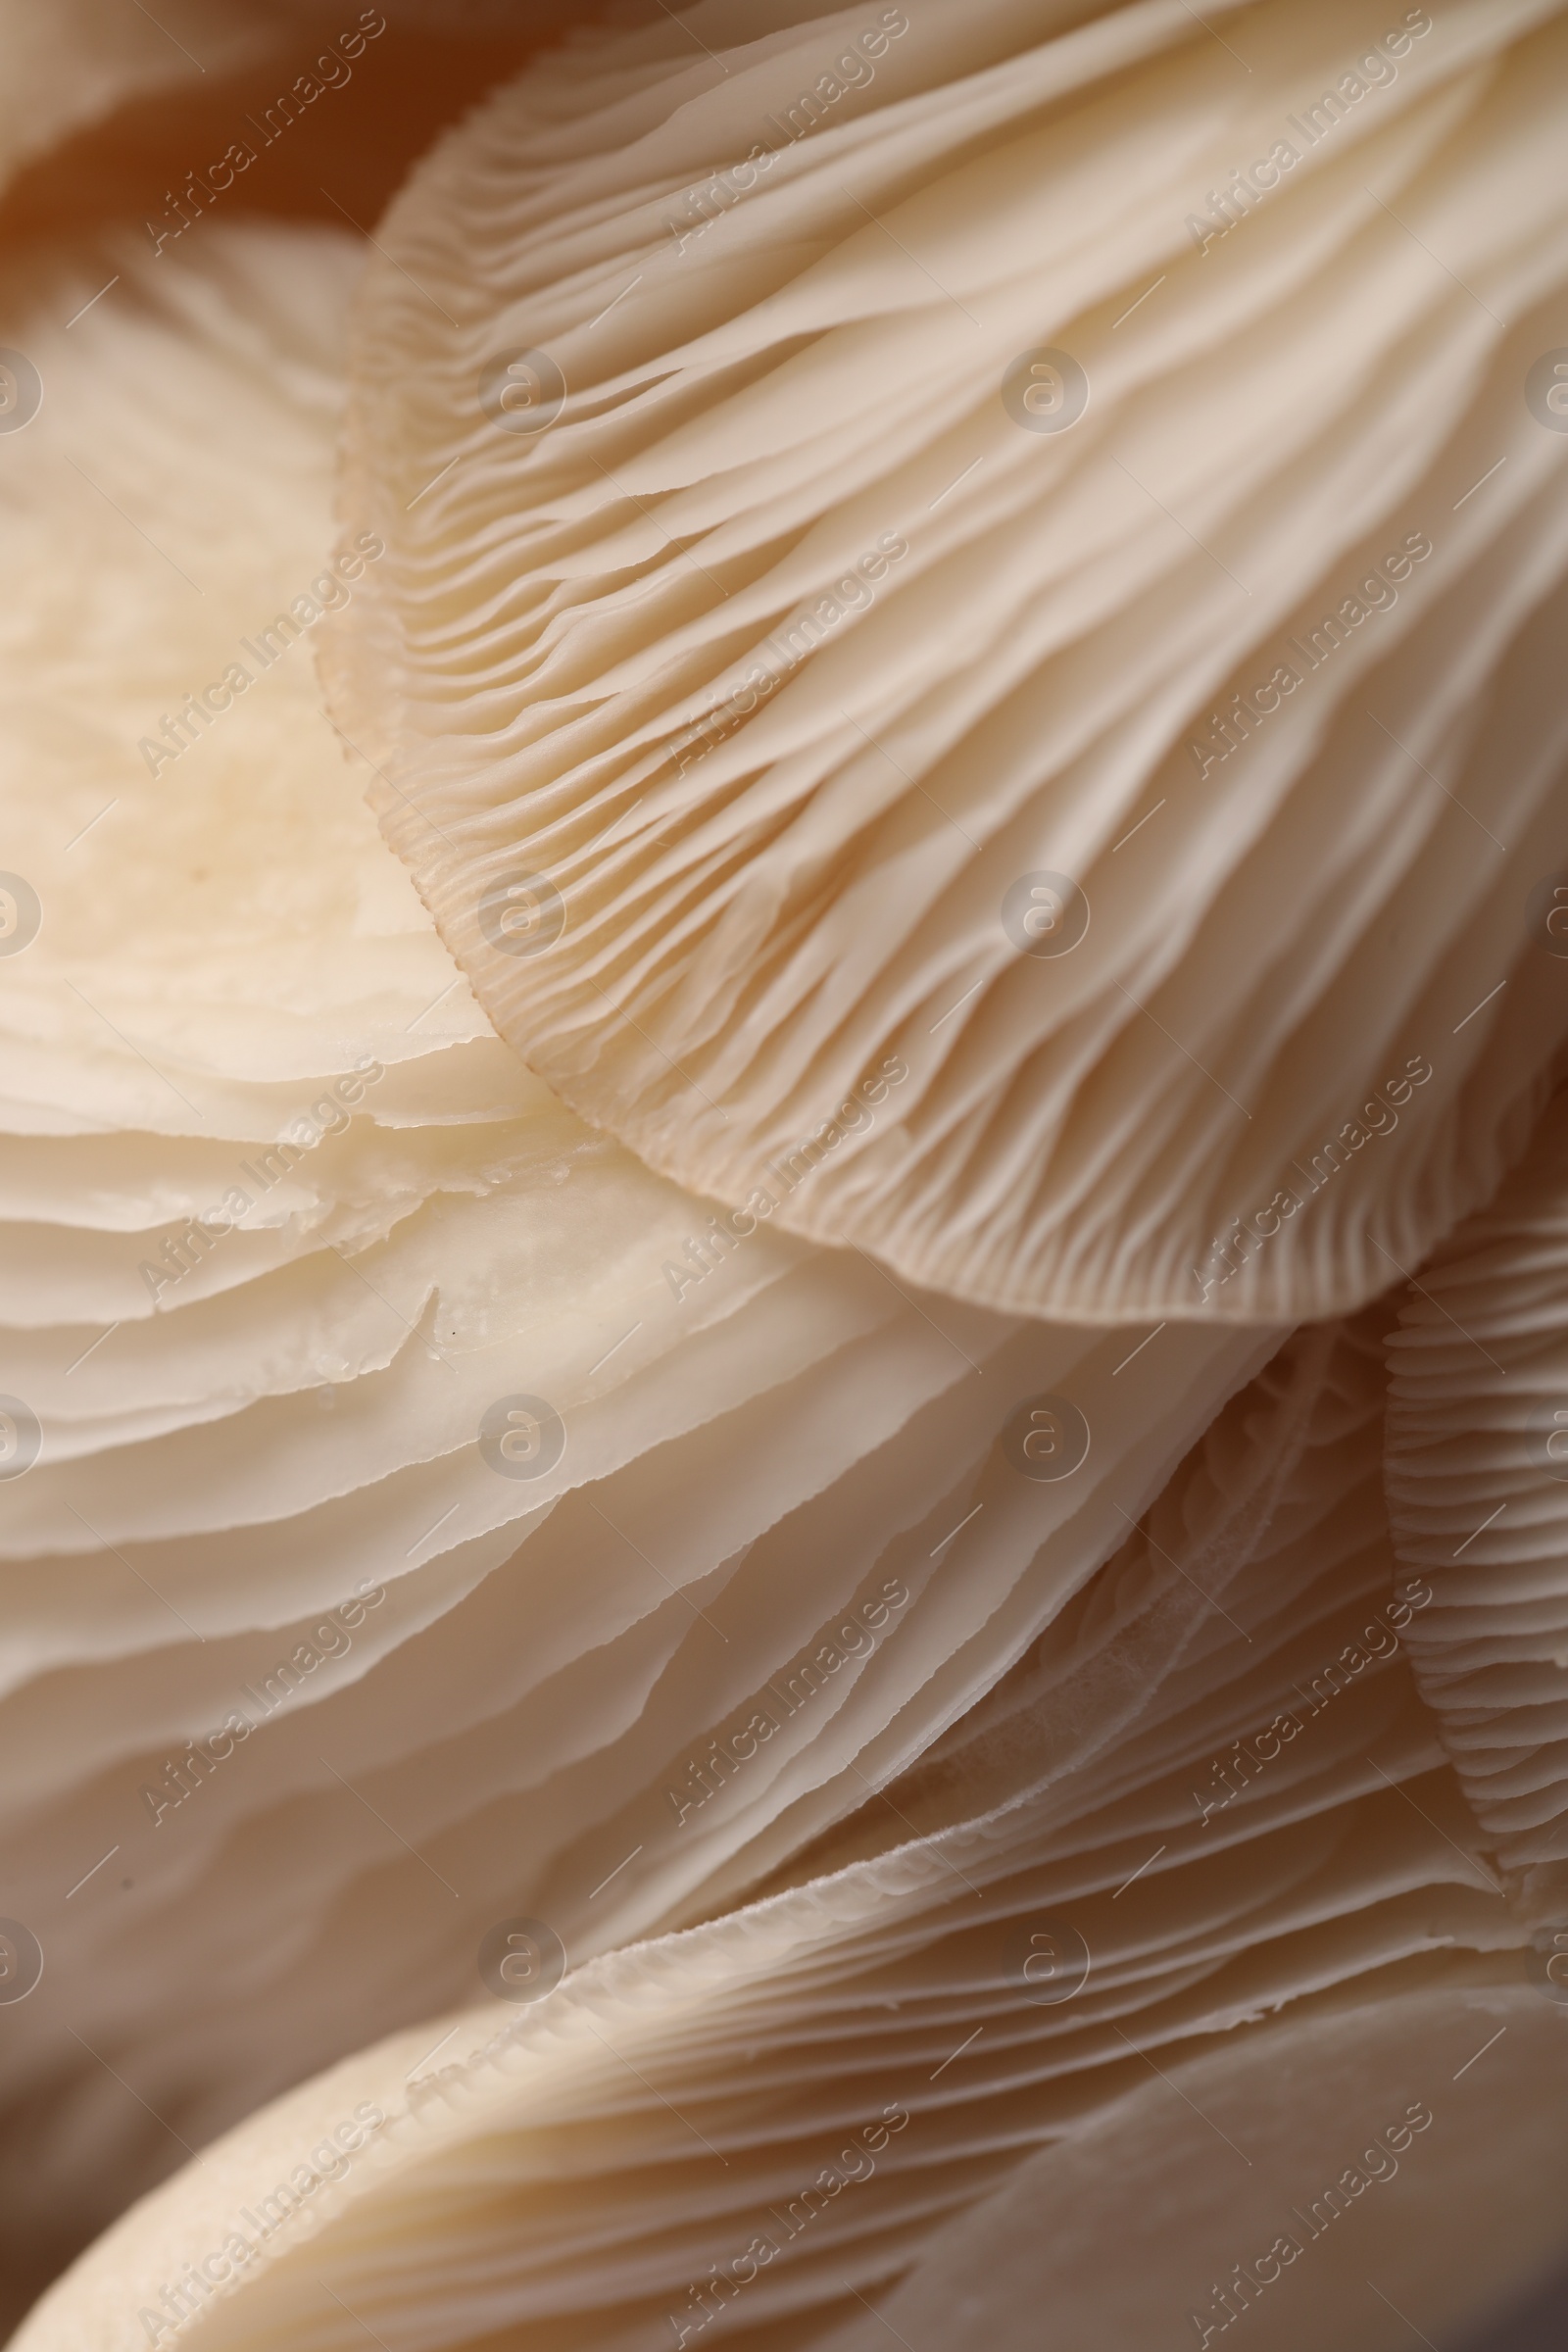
(1478, 1407)
(623, 1768)
(409, 1499)
(1036, 1977)
(910, 571)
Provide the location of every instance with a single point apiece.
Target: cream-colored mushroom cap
(407, 1500)
(1180, 1939)
(1018, 544)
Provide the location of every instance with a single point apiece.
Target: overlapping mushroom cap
(478, 1571)
(905, 539)
(408, 1495)
(1182, 1931)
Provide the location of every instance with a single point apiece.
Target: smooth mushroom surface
(73, 62)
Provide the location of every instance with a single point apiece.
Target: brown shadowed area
(354, 142)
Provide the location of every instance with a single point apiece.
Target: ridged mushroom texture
(783, 1175)
(1180, 1936)
(1478, 1487)
(1022, 545)
(409, 1499)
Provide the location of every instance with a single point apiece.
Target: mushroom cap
(764, 704)
(401, 1489)
(428, 1529)
(992, 1993)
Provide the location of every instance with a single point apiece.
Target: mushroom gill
(779, 1489)
(1183, 1930)
(904, 539)
(1478, 1459)
(405, 1496)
